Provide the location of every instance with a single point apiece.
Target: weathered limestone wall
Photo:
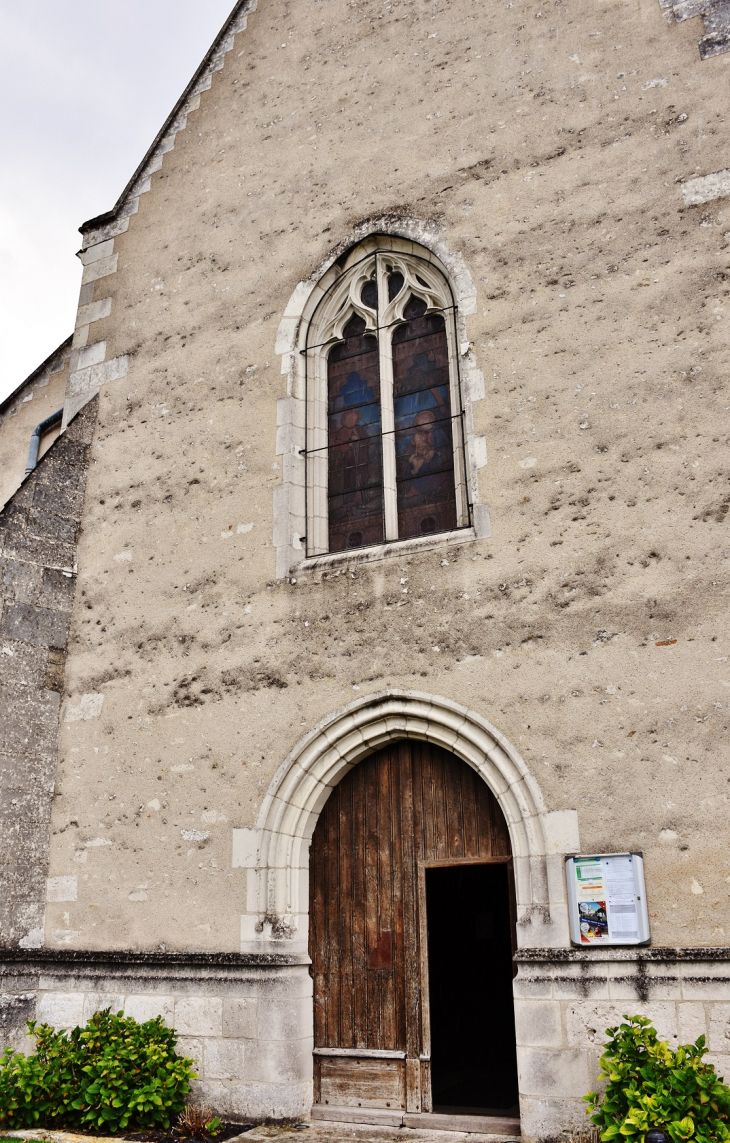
(546, 145)
(564, 1003)
(569, 158)
(242, 1020)
(38, 530)
(42, 394)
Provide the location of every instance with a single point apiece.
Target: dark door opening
(473, 1053)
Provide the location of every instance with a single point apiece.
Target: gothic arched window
(384, 434)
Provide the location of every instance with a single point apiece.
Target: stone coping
(207, 65)
(123, 958)
(338, 1132)
(586, 956)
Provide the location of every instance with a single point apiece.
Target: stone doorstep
(415, 1126)
(372, 1133)
(420, 1128)
(491, 1125)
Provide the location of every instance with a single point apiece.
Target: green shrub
(113, 1075)
(649, 1085)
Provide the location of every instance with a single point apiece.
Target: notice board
(607, 900)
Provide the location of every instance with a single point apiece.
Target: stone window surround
(276, 852)
(337, 301)
(409, 236)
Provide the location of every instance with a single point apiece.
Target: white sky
(85, 85)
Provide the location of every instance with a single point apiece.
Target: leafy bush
(114, 1074)
(649, 1085)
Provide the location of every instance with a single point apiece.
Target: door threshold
(483, 1124)
(372, 1116)
(420, 1120)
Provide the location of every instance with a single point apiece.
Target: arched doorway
(412, 923)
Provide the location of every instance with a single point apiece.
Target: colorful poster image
(593, 921)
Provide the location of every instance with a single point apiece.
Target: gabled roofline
(39, 369)
(111, 215)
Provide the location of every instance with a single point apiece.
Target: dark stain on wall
(38, 533)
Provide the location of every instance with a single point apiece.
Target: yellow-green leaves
(649, 1085)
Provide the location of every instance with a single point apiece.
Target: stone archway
(277, 851)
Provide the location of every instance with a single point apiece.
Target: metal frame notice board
(607, 900)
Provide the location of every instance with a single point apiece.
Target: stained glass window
(355, 441)
(424, 446)
(385, 454)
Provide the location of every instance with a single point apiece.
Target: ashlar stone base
(246, 1019)
(565, 999)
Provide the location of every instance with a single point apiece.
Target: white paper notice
(623, 916)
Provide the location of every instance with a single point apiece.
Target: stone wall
(589, 628)
(39, 395)
(568, 159)
(565, 1000)
(245, 1021)
(38, 530)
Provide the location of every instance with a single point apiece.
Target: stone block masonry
(566, 999)
(38, 529)
(245, 1021)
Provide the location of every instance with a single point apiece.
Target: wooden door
(410, 805)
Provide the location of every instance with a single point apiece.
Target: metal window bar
(459, 387)
(379, 436)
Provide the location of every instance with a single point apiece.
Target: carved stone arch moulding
(276, 852)
(315, 319)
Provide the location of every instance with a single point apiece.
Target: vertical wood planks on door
(407, 806)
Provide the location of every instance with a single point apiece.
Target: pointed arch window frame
(338, 304)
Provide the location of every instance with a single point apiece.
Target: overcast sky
(84, 86)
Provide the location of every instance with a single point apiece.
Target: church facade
(371, 560)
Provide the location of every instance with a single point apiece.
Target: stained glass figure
(423, 426)
(355, 441)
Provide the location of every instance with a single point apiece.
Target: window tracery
(385, 447)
